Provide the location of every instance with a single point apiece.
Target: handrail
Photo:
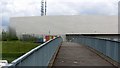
(30, 52)
(109, 48)
(20, 59)
(101, 39)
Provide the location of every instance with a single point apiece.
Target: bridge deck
(73, 54)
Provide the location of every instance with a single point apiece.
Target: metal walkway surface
(73, 54)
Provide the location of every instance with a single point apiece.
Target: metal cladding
(56, 25)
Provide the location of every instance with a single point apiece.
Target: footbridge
(76, 51)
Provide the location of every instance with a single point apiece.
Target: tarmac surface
(73, 54)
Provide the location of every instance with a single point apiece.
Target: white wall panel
(65, 24)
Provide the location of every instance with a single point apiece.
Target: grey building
(57, 25)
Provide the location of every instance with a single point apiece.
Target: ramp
(73, 54)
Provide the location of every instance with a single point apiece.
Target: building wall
(65, 24)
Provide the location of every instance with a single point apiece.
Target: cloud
(59, 7)
(81, 7)
(20, 7)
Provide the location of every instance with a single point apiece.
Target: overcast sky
(13, 8)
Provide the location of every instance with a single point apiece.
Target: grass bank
(11, 50)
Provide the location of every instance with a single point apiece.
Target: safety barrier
(109, 48)
(39, 56)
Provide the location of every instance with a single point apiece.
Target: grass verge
(11, 50)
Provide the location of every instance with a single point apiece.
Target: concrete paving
(73, 54)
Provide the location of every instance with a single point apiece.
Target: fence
(39, 56)
(109, 48)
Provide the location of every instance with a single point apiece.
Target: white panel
(65, 24)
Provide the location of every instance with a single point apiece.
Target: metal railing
(39, 56)
(109, 48)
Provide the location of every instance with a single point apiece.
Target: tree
(4, 35)
(12, 34)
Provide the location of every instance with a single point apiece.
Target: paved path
(73, 54)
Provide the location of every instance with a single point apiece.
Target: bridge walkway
(73, 54)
